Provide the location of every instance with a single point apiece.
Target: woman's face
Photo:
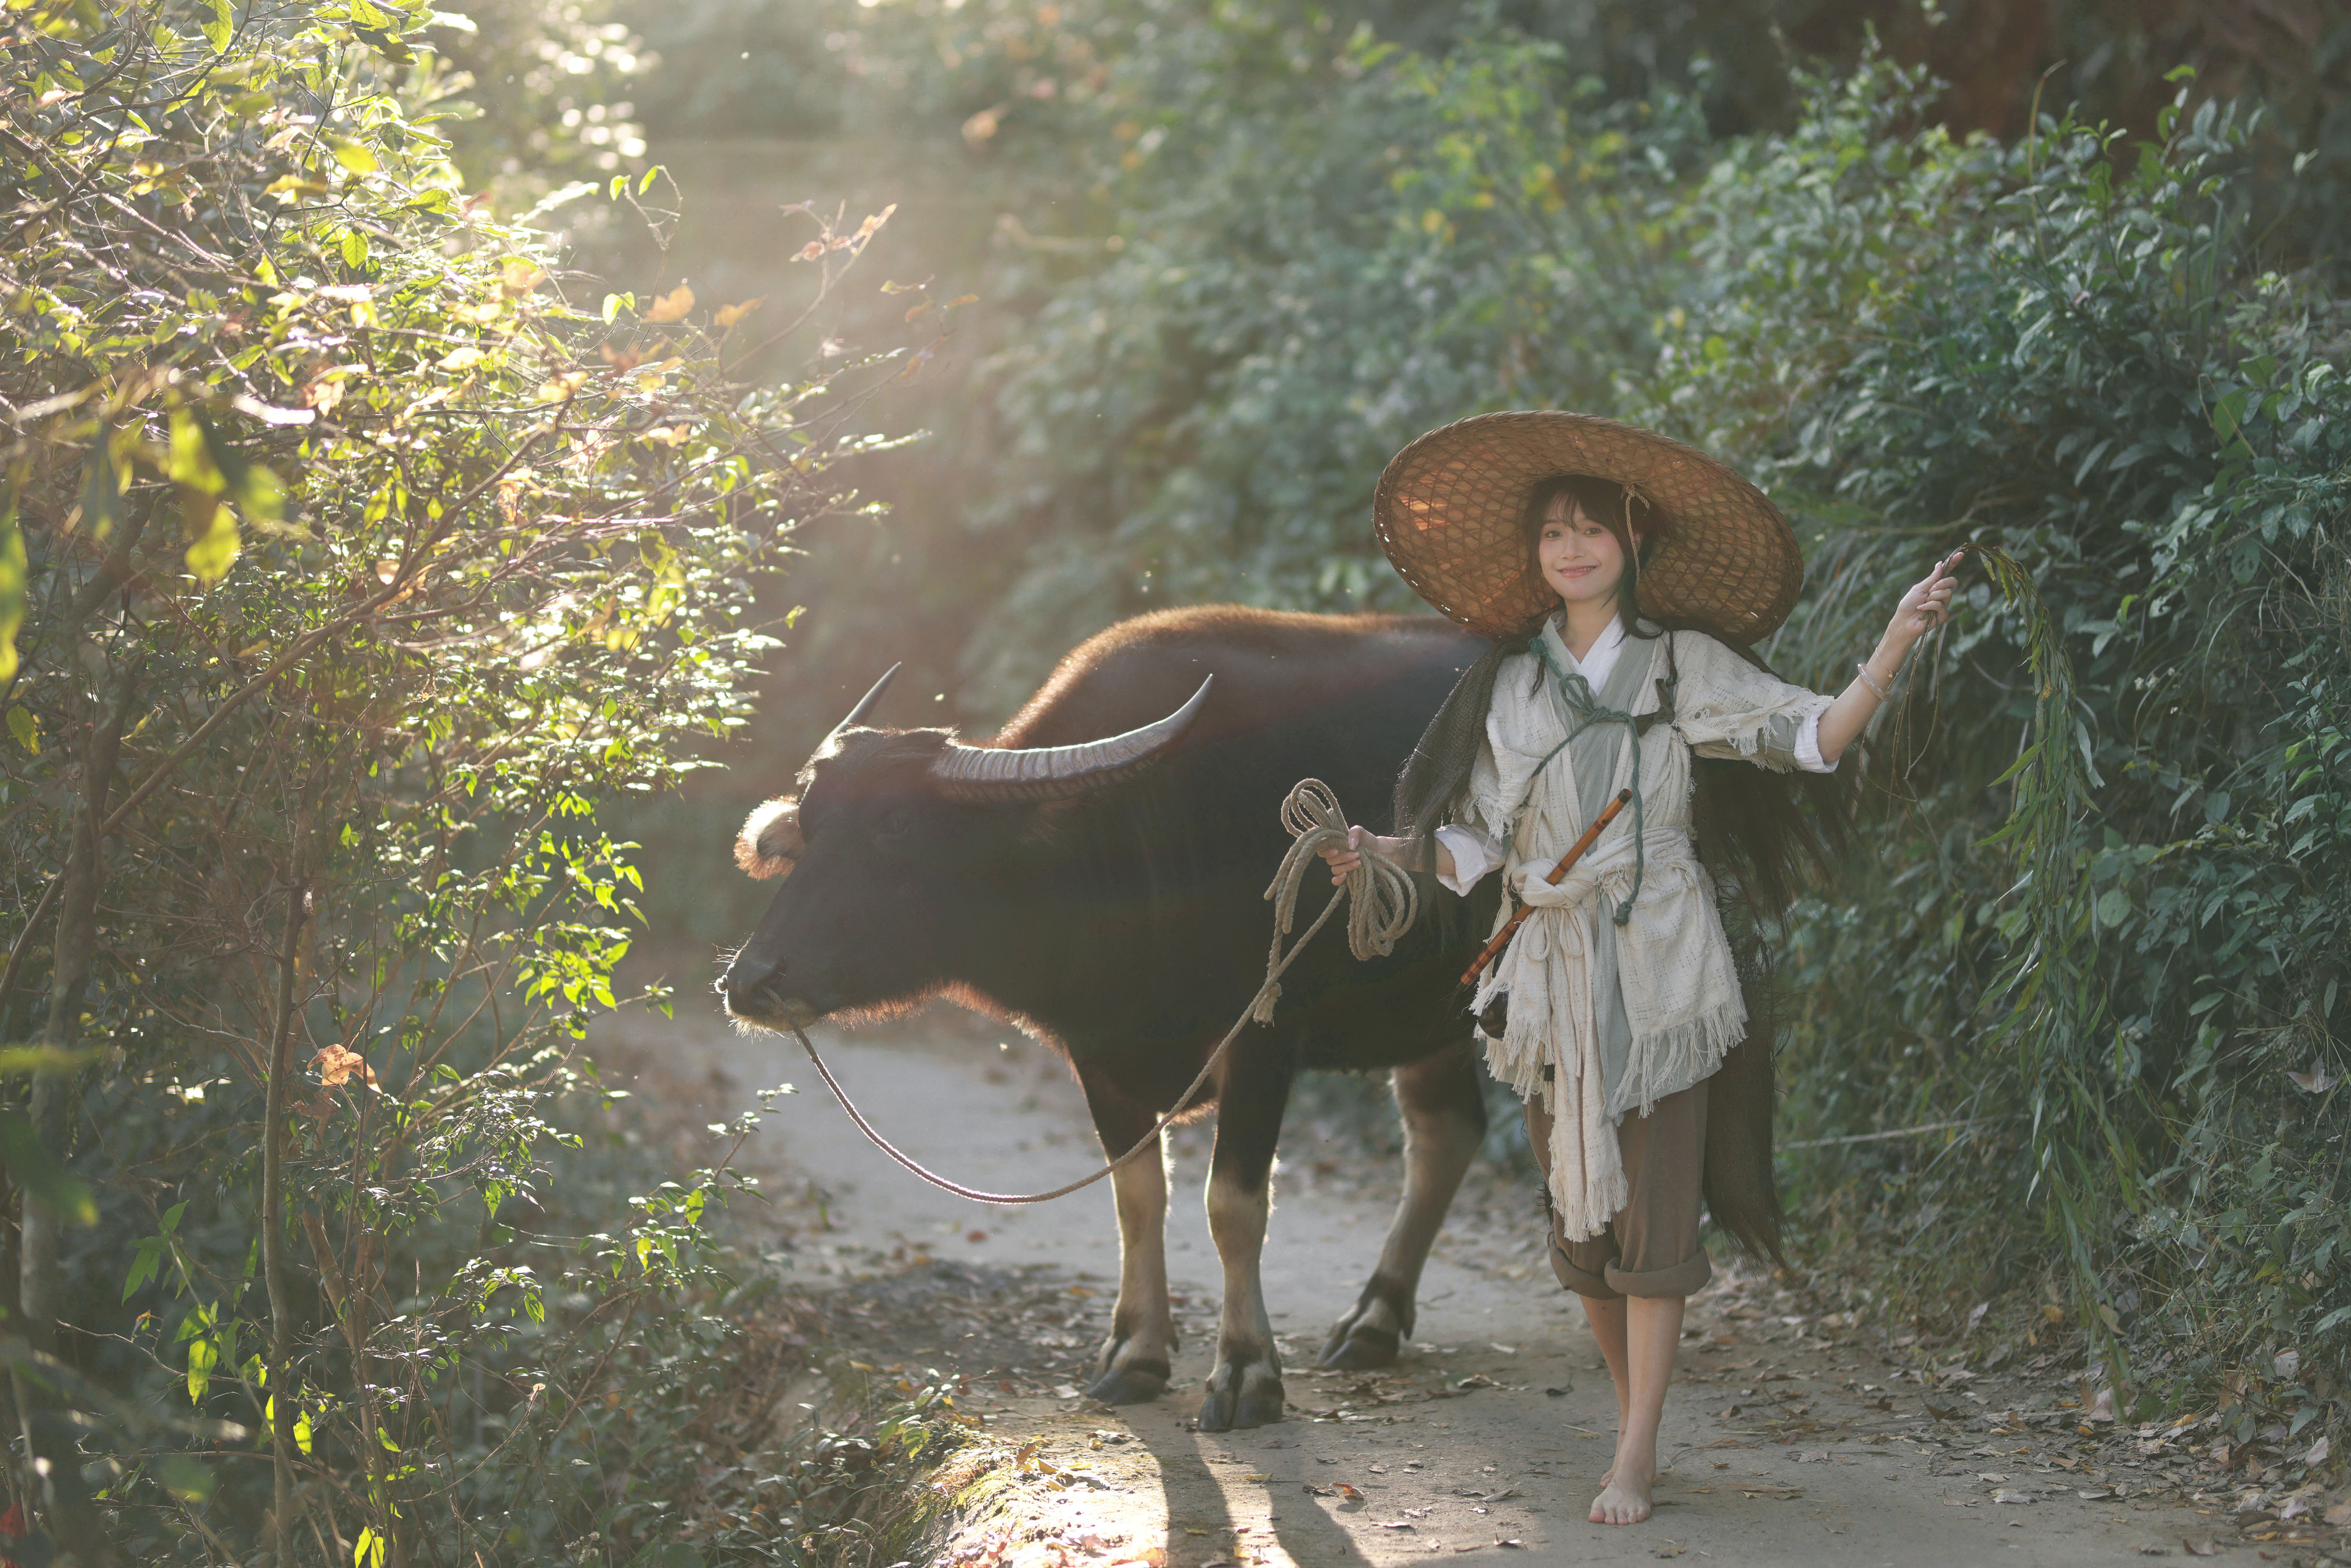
(1581, 560)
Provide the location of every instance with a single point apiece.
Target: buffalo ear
(770, 839)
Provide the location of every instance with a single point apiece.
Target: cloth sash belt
(1613, 866)
(1547, 970)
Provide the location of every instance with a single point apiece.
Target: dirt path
(1790, 1440)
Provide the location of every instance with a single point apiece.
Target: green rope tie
(1577, 693)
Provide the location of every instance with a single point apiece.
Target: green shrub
(354, 555)
(2068, 349)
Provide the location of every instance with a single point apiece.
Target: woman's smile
(1581, 560)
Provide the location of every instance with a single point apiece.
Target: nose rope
(1382, 903)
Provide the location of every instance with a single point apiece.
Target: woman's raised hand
(1928, 604)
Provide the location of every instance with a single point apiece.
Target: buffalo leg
(1244, 1387)
(1133, 1368)
(1444, 1122)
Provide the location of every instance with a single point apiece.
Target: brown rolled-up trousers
(1651, 1246)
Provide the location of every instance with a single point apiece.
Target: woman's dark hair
(1752, 831)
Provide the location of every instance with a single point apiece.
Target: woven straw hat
(1450, 511)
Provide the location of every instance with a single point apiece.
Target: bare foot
(1625, 1501)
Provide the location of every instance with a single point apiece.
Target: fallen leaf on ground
(2200, 1548)
(2340, 1513)
(1555, 1392)
(1812, 1456)
(1351, 1494)
(2096, 1494)
(2009, 1494)
(1396, 1524)
(1477, 1380)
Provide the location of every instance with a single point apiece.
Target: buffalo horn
(1058, 772)
(864, 705)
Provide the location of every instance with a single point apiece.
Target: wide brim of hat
(1450, 510)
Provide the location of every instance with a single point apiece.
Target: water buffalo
(1105, 896)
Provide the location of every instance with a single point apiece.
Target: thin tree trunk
(49, 1438)
(273, 1228)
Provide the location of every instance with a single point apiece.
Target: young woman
(1624, 578)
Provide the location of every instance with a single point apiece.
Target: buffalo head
(894, 853)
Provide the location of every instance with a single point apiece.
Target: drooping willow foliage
(354, 554)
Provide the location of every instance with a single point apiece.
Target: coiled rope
(1382, 903)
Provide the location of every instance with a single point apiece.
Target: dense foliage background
(356, 551)
(369, 572)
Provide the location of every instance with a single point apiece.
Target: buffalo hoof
(1241, 1394)
(1138, 1384)
(1135, 1380)
(1360, 1348)
(1366, 1337)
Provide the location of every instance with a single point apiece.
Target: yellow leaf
(520, 275)
(673, 305)
(324, 391)
(214, 549)
(338, 1066)
(918, 309)
(355, 157)
(962, 299)
(13, 573)
(561, 387)
(465, 357)
(730, 314)
(191, 464)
